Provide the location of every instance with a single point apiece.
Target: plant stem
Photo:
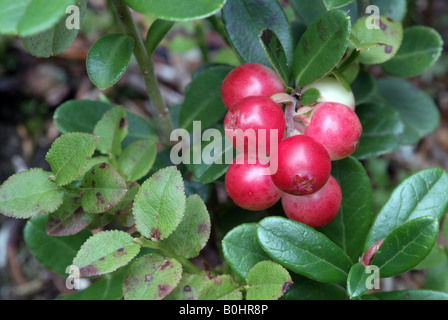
(165, 126)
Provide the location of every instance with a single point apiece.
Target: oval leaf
(303, 250)
(108, 59)
(28, 194)
(160, 204)
(276, 54)
(111, 129)
(321, 47)
(105, 252)
(151, 277)
(357, 281)
(158, 30)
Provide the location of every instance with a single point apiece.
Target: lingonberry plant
(114, 208)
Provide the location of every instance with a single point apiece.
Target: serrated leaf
(160, 204)
(28, 194)
(69, 155)
(267, 280)
(70, 218)
(357, 281)
(158, 30)
(406, 246)
(241, 249)
(103, 188)
(349, 228)
(307, 289)
(245, 19)
(303, 250)
(189, 286)
(413, 294)
(381, 130)
(321, 47)
(137, 159)
(112, 129)
(422, 194)
(276, 54)
(151, 277)
(193, 232)
(54, 253)
(55, 40)
(221, 287)
(108, 59)
(105, 252)
(175, 10)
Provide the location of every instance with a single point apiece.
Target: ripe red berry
(249, 79)
(317, 209)
(304, 165)
(260, 114)
(337, 127)
(250, 185)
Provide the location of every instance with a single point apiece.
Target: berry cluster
(287, 153)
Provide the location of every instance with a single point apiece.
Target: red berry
(249, 79)
(304, 165)
(317, 209)
(337, 127)
(260, 114)
(250, 185)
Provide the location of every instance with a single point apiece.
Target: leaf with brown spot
(221, 287)
(112, 129)
(189, 287)
(151, 277)
(105, 252)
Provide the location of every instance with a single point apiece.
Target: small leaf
(112, 129)
(422, 194)
(406, 246)
(276, 54)
(54, 253)
(357, 281)
(137, 159)
(160, 204)
(158, 30)
(307, 289)
(413, 294)
(108, 59)
(193, 232)
(309, 96)
(381, 130)
(421, 48)
(221, 287)
(105, 252)
(103, 188)
(151, 277)
(245, 19)
(189, 286)
(175, 10)
(321, 47)
(28, 194)
(241, 249)
(70, 218)
(69, 155)
(267, 280)
(303, 250)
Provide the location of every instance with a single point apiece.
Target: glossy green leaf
(349, 228)
(176, 10)
(111, 130)
(406, 246)
(241, 249)
(69, 155)
(108, 59)
(321, 47)
(70, 218)
(245, 19)
(203, 99)
(158, 30)
(137, 159)
(422, 194)
(413, 294)
(54, 253)
(151, 277)
(386, 35)
(28, 194)
(333, 4)
(57, 39)
(160, 204)
(391, 8)
(193, 232)
(276, 54)
(303, 250)
(363, 87)
(222, 287)
(357, 281)
(267, 280)
(421, 48)
(307, 289)
(381, 130)
(437, 278)
(103, 188)
(189, 287)
(105, 252)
